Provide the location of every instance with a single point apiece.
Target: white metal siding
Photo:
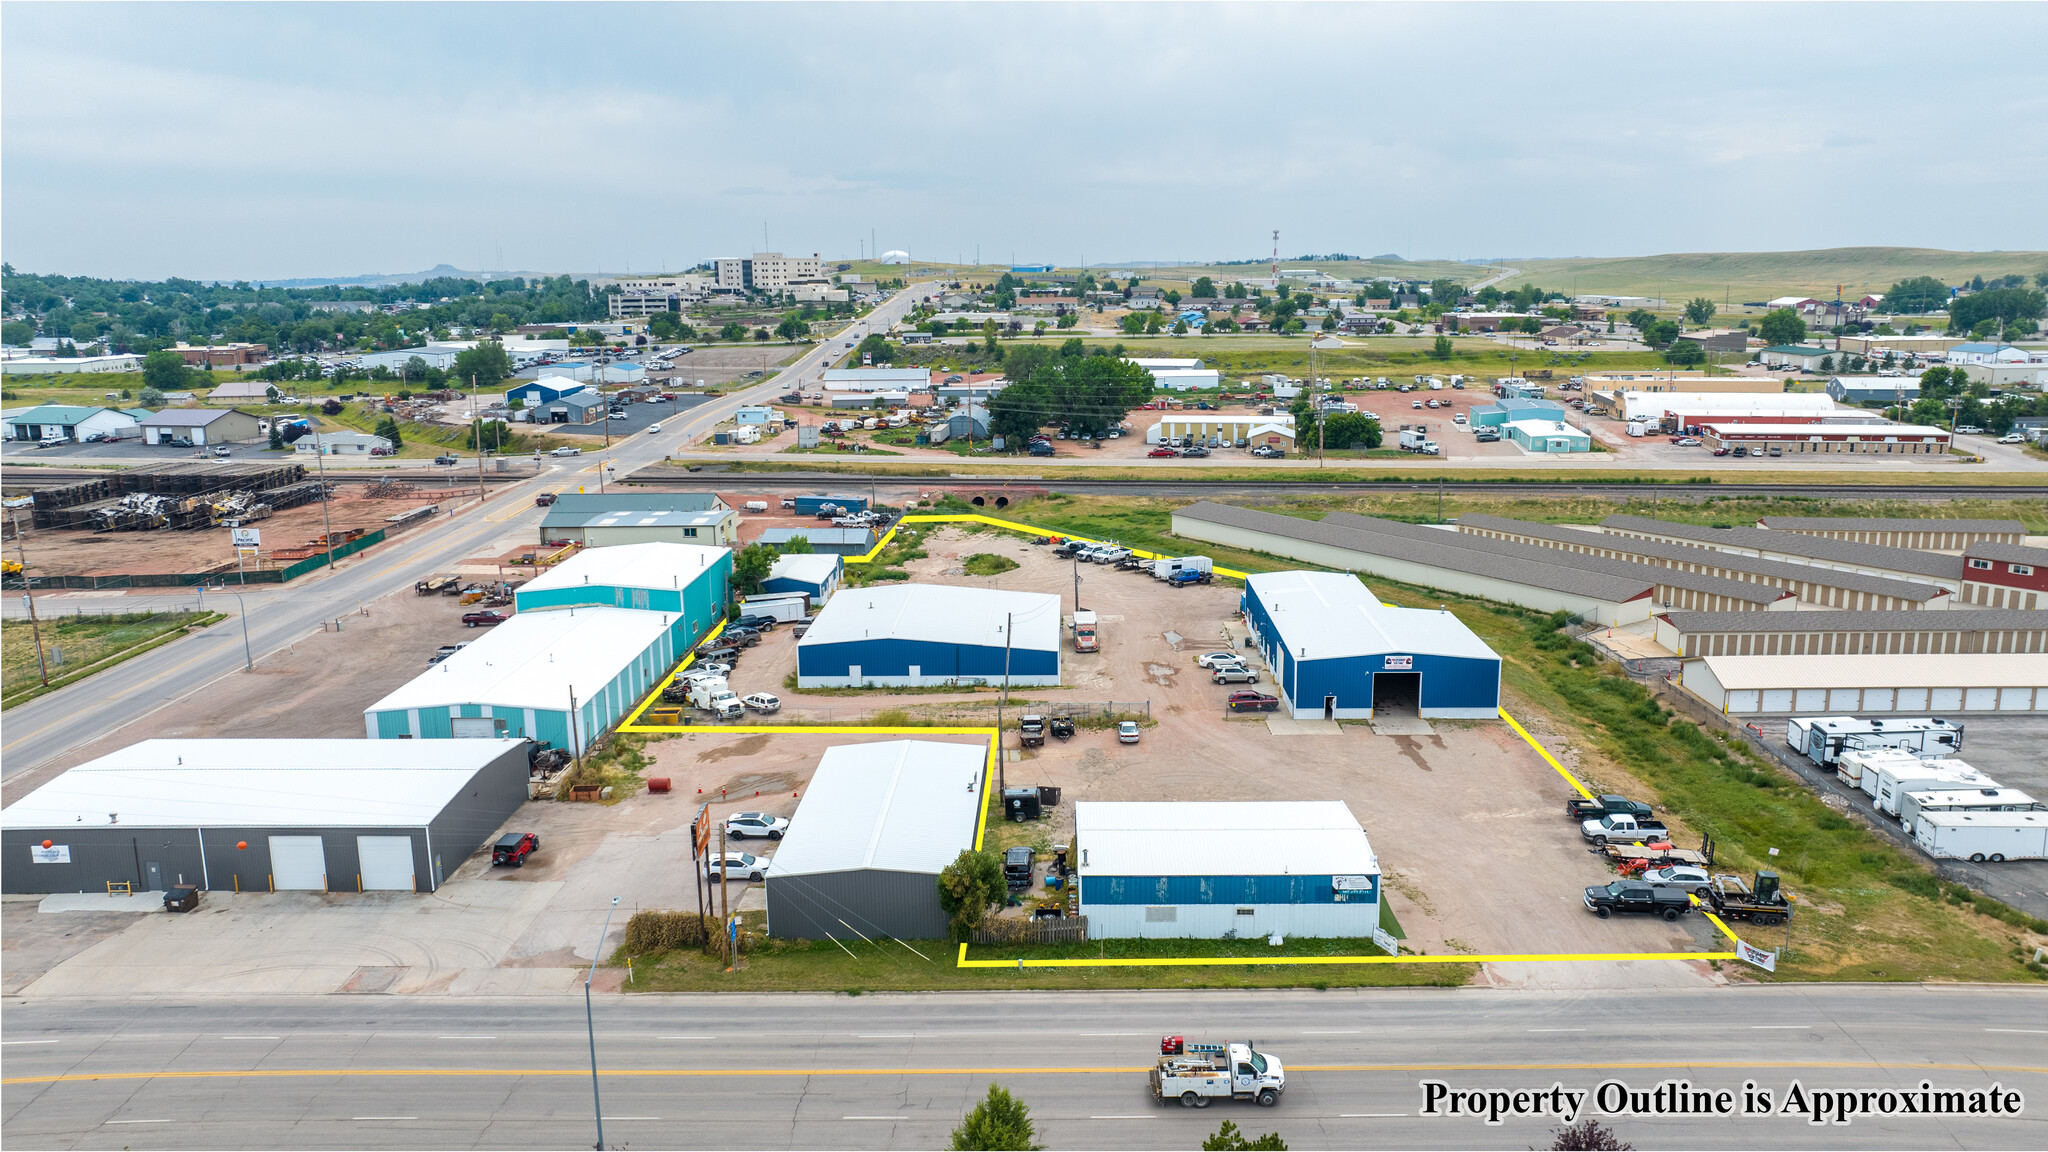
(298, 863)
(386, 862)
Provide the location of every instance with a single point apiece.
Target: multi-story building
(767, 272)
(647, 295)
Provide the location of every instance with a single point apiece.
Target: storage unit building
(563, 675)
(690, 581)
(1933, 535)
(2005, 576)
(1797, 548)
(1207, 871)
(917, 634)
(1337, 653)
(1748, 685)
(262, 815)
(1851, 633)
(815, 574)
(876, 825)
(831, 541)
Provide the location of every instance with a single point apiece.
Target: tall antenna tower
(1276, 255)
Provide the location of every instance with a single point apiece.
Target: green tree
(1066, 320)
(1685, 353)
(1442, 348)
(388, 429)
(1038, 329)
(798, 545)
(1017, 412)
(752, 566)
(486, 364)
(1204, 289)
(276, 438)
(733, 330)
(988, 336)
(1229, 1139)
(793, 329)
(1132, 324)
(1072, 349)
(1699, 310)
(1999, 306)
(877, 346)
(487, 435)
(1781, 326)
(1919, 294)
(165, 371)
(1350, 430)
(17, 332)
(1659, 333)
(1154, 322)
(999, 1123)
(967, 886)
(151, 398)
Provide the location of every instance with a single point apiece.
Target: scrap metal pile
(183, 496)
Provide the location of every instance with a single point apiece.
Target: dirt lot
(83, 553)
(720, 366)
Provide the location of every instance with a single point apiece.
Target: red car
(544, 499)
(513, 848)
(1162, 450)
(472, 619)
(1252, 702)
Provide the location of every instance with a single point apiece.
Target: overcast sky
(271, 140)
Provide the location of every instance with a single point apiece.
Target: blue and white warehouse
(1211, 871)
(909, 635)
(691, 581)
(1337, 653)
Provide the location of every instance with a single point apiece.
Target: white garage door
(1811, 700)
(1777, 700)
(387, 863)
(298, 862)
(1912, 699)
(1980, 700)
(1945, 699)
(1877, 699)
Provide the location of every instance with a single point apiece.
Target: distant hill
(1740, 276)
(380, 279)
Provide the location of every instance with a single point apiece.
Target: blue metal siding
(891, 657)
(1447, 681)
(1219, 890)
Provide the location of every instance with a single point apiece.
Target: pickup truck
(1062, 728)
(1634, 897)
(1187, 576)
(1606, 804)
(1031, 731)
(1626, 829)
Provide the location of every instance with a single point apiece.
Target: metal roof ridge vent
(888, 798)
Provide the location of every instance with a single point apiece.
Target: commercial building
(717, 526)
(573, 408)
(815, 574)
(201, 427)
(222, 355)
(909, 635)
(1186, 379)
(561, 676)
(1337, 653)
(1799, 356)
(73, 422)
(342, 444)
(1874, 346)
(1748, 685)
(243, 390)
(877, 824)
(1211, 871)
(1216, 428)
(830, 541)
(572, 509)
(1718, 340)
(1933, 534)
(1507, 409)
(1802, 439)
(1796, 548)
(1960, 630)
(1677, 410)
(1811, 584)
(64, 365)
(547, 389)
(1673, 382)
(264, 815)
(1548, 436)
(1873, 389)
(876, 379)
(688, 581)
(767, 272)
(2005, 576)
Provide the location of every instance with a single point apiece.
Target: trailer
(1630, 858)
(1893, 781)
(1732, 899)
(1823, 739)
(1195, 1074)
(1165, 569)
(1983, 836)
(1912, 804)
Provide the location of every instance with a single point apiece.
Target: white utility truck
(1195, 1074)
(714, 696)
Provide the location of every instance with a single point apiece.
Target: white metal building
(918, 634)
(1209, 870)
(877, 379)
(264, 815)
(1186, 379)
(1976, 682)
(1654, 406)
(877, 824)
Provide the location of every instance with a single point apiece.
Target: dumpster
(183, 898)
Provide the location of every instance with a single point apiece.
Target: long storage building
(1763, 685)
(1209, 871)
(908, 635)
(264, 815)
(2005, 576)
(1852, 633)
(877, 824)
(1930, 535)
(1337, 653)
(1798, 548)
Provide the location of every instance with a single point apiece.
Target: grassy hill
(1740, 276)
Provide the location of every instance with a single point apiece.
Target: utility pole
(1077, 583)
(477, 417)
(724, 898)
(590, 1019)
(1009, 619)
(326, 524)
(28, 598)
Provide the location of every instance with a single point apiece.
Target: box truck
(1084, 631)
(1983, 836)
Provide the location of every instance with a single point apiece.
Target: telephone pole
(1009, 620)
(28, 597)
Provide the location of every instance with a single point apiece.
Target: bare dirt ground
(722, 365)
(84, 553)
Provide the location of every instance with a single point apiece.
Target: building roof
(1946, 670)
(1880, 524)
(253, 783)
(535, 659)
(1797, 350)
(1331, 615)
(189, 417)
(781, 536)
(1953, 620)
(1908, 385)
(808, 567)
(1233, 838)
(578, 504)
(649, 565)
(242, 389)
(1803, 431)
(939, 614)
(646, 519)
(579, 399)
(64, 415)
(1561, 576)
(2010, 553)
(1546, 428)
(893, 806)
(1733, 561)
(1799, 544)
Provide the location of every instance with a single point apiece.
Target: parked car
(1486, 436)
(1194, 450)
(1127, 732)
(1690, 879)
(1219, 657)
(1267, 451)
(740, 637)
(513, 848)
(723, 654)
(1252, 702)
(1635, 897)
(1720, 451)
(1162, 450)
(1686, 441)
(715, 667)
(444, 458)
(762, 702)
(1233, 674)
(735, 866)
(2012, 438)
(486, 616)
(757, 623)
(567, 452)
(220, 450)
(444, 652)
(745, 824)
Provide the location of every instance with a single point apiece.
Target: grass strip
(20, 640)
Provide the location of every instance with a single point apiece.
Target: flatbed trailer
(1733, 899)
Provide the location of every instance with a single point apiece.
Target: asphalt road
(50, 725)
(887, 1071)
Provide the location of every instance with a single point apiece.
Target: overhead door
(386, 863)
(298, 862)
(1980, 700)
(1777, 700)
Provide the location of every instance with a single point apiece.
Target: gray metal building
(877, 824)
(264, 815)
(1800, 548)
(1961, 630)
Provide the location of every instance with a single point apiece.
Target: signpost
(246, 542)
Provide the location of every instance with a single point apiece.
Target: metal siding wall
(1232, 890)
(900, 905)
(552, 726)
(886, 658)
(1459, 682)
(434, 724)
(1213, 922)
(473, 817)
(392, 725)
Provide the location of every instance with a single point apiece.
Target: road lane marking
(396, 1117)
(632, 1117)
(686, 1037)
(465, 1037)
(1116, 1033)
(1333, 1032)
(251, 1037)
(885, 1035)
(1131, 1117)
(141, 1121)
(53, 1041)
(1772, 1027)
(1132, 1069)
(874, 1117)
(2028, 1031)
(1558, 1029)
(1365, 1115)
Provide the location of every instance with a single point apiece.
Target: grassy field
(1740, 276)
(75, 647)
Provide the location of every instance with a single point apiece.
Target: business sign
(1351, 883)
(1398, 664)
(247, 537)
(54, 854)
(1386, 941)
(700, 834)
(1751, 954)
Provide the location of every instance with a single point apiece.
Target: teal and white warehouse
(1214, 871)
(589, 640)
(1337, 653)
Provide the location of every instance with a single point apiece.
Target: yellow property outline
(994, 738)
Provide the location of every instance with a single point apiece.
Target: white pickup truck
(1622, 829)
(1195, 1074)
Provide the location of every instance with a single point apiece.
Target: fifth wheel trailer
(1982, 836)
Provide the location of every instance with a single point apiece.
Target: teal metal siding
(392, 725)
(434, 724)
(551, 726)
(1220, 890)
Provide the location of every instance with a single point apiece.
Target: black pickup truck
(1623, 897)
(1031, 731)
(1606, 804)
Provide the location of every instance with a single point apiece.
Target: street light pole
(28, 597)
(590, 1021)
(326, 524)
